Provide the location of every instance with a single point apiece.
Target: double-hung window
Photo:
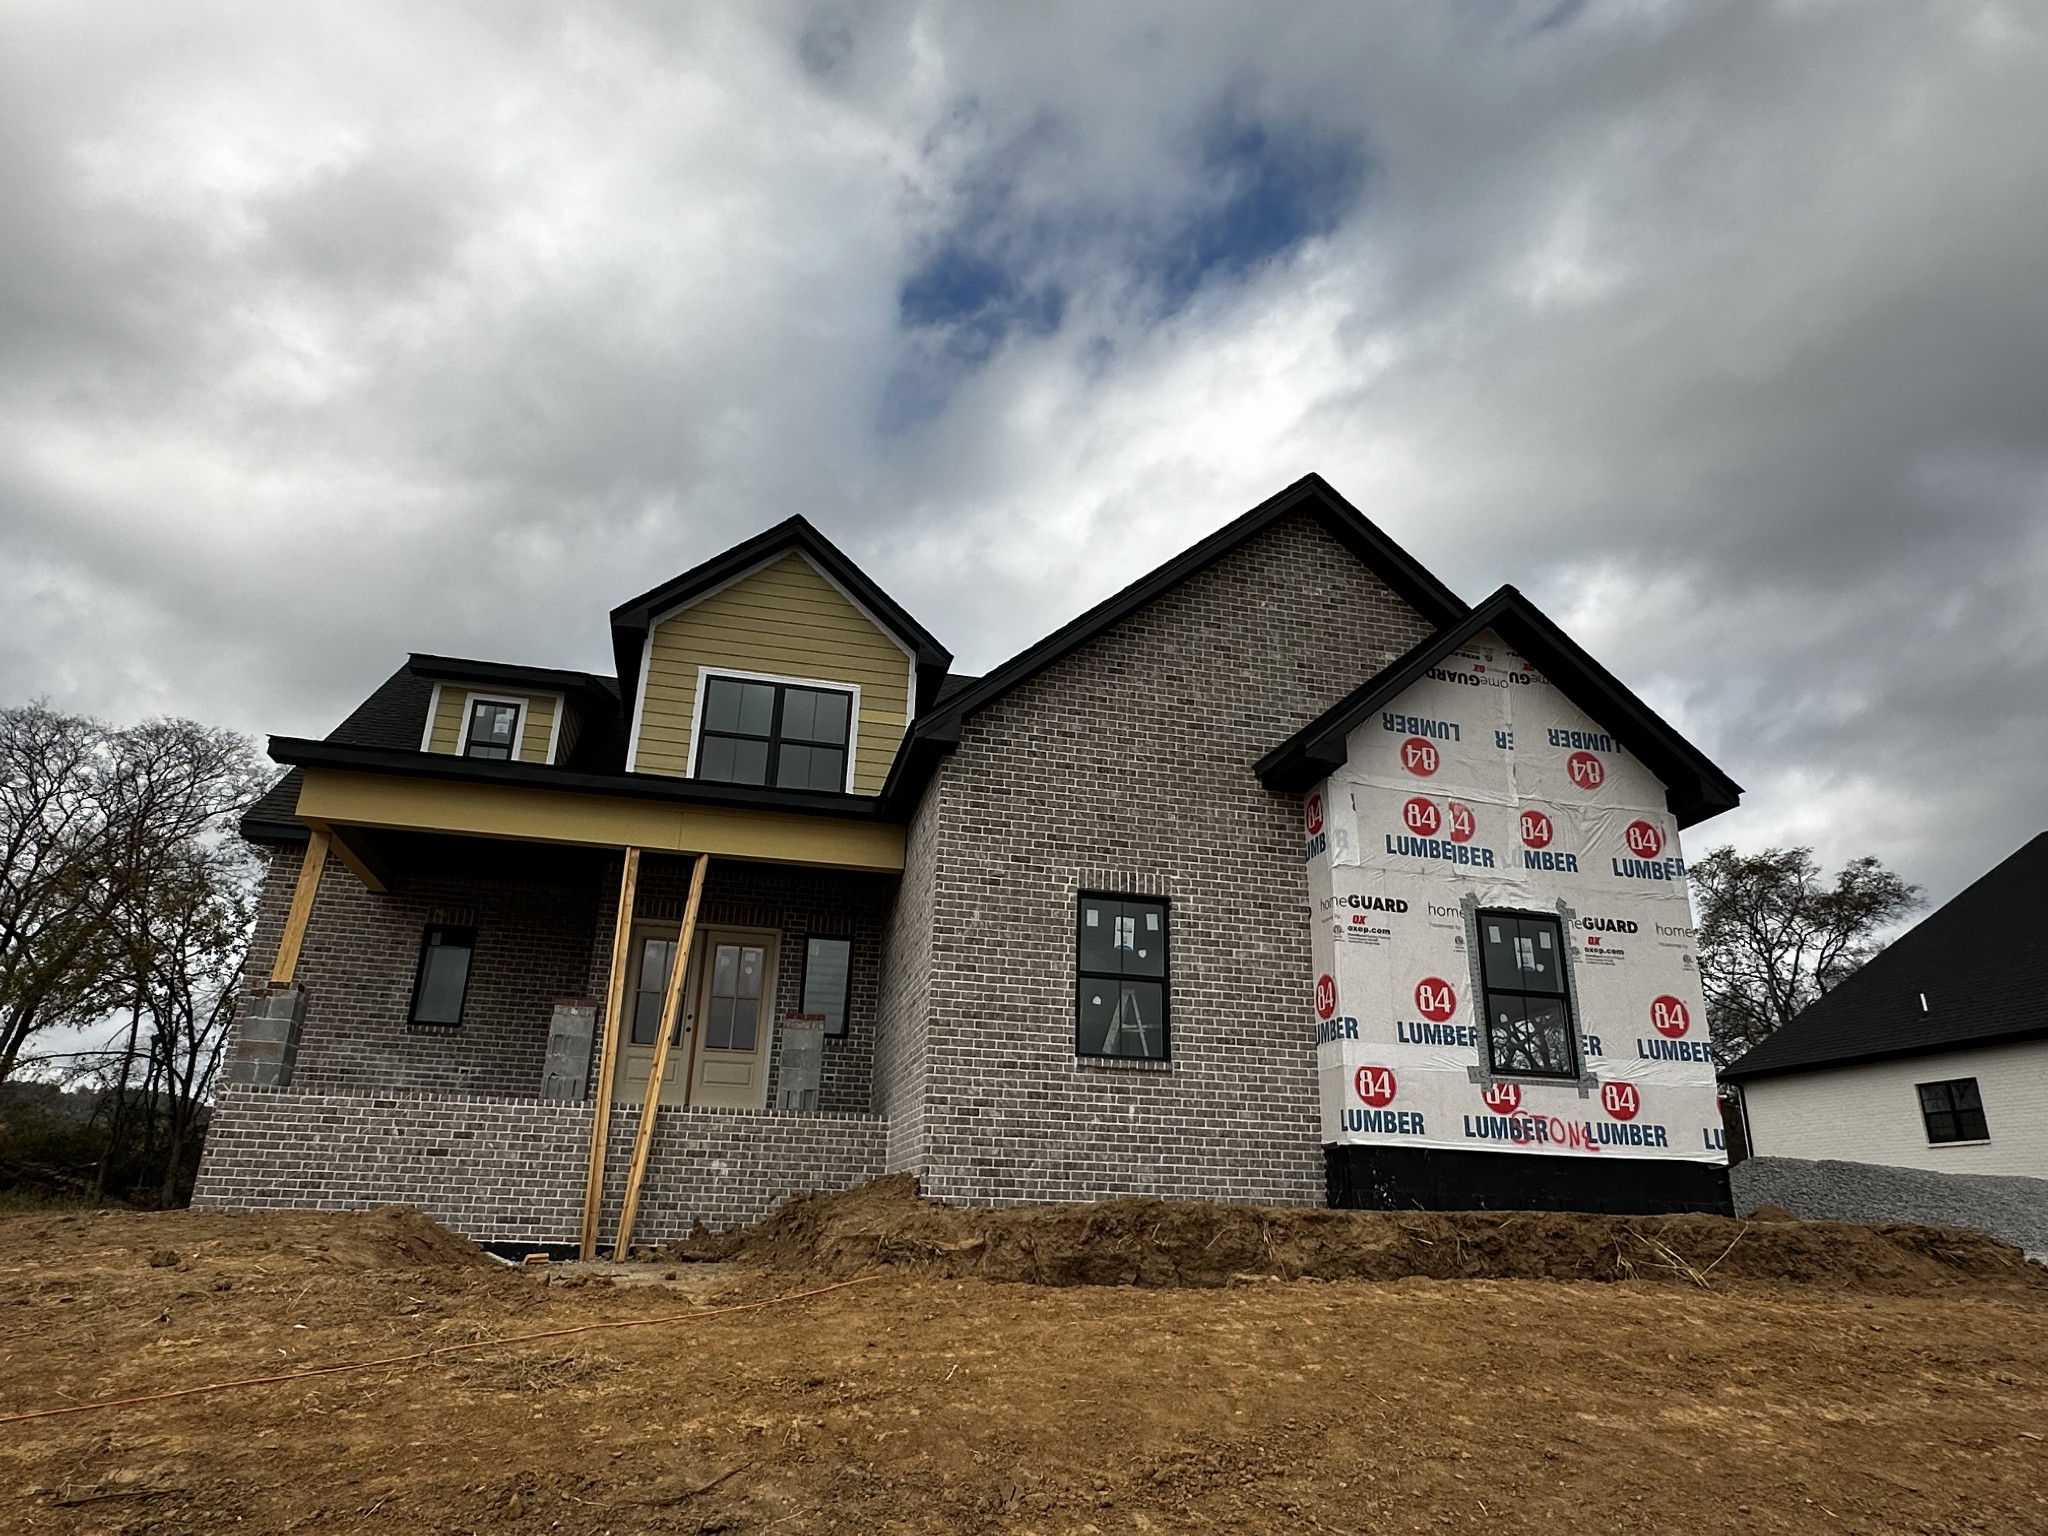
(1528, 1005)
(828, 967)
(1120, 963)
(784, 735)
(442, 980)
(1954, 1111)
(493, 730)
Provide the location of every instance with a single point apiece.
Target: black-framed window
(828, 970)
(1953, 1110)
(779, 734)
(442, 980)
(1120, 964)
(492, 731)
(1528, 1009)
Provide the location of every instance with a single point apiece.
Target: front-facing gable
(783, 621)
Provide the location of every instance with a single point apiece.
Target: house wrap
(1257, 881)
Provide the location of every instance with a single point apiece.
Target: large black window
(493, 730)
(773, 733)
(1528, 1006)
(443, 979)
(828, 966)
(1954, 1111)
(1121, 964)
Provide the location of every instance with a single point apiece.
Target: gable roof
(938, 730)
(592, 692)
(1694, 788)
(631, 621)
(1977, 961)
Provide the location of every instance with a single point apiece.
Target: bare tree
(1774, 935)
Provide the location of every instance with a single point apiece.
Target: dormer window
(493, 730)
(783, 735)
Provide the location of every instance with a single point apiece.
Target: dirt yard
(1807, 1379)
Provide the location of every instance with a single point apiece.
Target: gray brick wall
(512, 1170)
(1127, 767)
(903, 1032)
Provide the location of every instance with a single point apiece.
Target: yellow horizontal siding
(788, 620)
(540, 725)
(447, 735)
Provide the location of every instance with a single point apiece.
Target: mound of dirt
(395, 1237)
(1162, 1243)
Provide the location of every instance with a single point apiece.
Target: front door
(735, 997)
(720, 1052)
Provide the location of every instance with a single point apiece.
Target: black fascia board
(300, 752)
(497, 674)
(1739, 1072)
(1311, 494)
(631, 620)
(1695, 788)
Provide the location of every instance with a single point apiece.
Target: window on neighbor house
(1120, 965)
(442, 982)
(1528, 1009)
(828, 967)
(493, 730)
(1953, 1110)
(777, 734)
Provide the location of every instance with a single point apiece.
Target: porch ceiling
(341, 798)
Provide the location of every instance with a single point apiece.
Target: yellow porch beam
(345, 798)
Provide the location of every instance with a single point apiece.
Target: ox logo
(1326, 997)
(1312, 813)
(1668, 1015)
(1503, 1098)
(1621, 1100)
(1536, 829)
(1587, 771)
(1644, 840)
(1374, 1086)
(1436, 998)
(1420, 756)
(1421, 817)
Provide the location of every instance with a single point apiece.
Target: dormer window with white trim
(493, 730)
(775, 734)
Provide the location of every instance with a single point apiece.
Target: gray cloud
(330, 334)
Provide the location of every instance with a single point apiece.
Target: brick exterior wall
(1126, 768)
(511, 1170)
(903, 1036)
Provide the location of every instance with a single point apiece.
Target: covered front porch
(474, 987)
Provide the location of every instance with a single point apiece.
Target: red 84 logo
(1326, 997)
(1420, 756)
(1536, 829)
(1670, 1017)
(1587, 771)
(1421, 817)
(1436, 998)
(1503, 1098)
(1621, 1100)
(1645, 841)
(1313, 814)
(1374, 1086)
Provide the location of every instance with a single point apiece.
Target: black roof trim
(498, 674)
(632, 620)
(1961, 978)
(939, 729)
(303, 753)
(1694, 788)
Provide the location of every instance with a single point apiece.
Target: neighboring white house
(1934, 1055)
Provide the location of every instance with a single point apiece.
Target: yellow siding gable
(451, 712)
(783, 620)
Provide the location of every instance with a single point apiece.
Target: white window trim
(704, 674)
(433, 717)
(859, 607)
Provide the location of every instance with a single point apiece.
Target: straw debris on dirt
(1820, 1379)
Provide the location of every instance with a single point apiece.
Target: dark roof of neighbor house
(937, 730)
(1695, 789)
(1977, 961)
(632, 620)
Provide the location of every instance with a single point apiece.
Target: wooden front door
(723, 1027)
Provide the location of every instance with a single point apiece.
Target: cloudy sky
(329, 332)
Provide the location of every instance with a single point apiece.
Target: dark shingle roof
(1978, 961)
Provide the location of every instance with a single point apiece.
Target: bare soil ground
(1544, 1374)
